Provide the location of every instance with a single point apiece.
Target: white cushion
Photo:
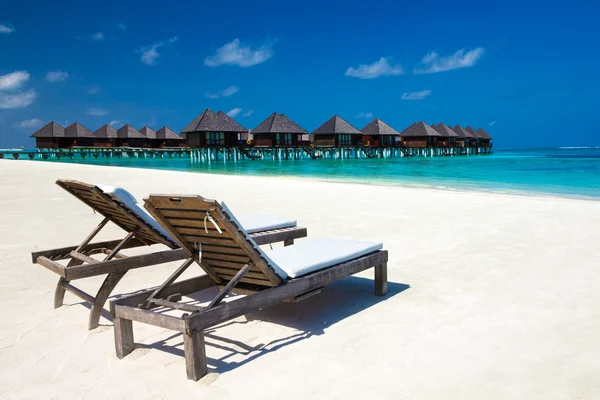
(124, 197)
(280, 272)
(251, 223)
(310, 255)
(258, 223)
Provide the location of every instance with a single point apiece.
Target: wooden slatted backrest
(222, 254)
(118, 212)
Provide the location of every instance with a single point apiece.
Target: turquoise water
(564, 172)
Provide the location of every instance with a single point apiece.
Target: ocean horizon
(565, 171)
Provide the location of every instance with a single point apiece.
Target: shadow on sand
(310, 317)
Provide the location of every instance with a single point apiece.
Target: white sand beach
(490, 297)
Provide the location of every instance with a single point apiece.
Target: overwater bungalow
(128, 136)
(473, 132)
(277, 130)
(211, 129)
(150, 135)
(469, 138)
(337, 132)
(419, 135)
(50, 136)
(106, 136)
(484, 138)
(79, 135)
(379, 134)
(166, 137)
(449, 137)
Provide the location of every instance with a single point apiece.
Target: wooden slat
(83, 257)
(187, 214)
(192, 223)
(230, 272)
(193, 231)
(224, 250)
(209, 240)
(206, 255)
(227, 264)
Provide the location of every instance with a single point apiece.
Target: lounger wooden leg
(123, 336)
(195, 355)
(381, 279)
(103, 293)
(288, 242)
(59, 292)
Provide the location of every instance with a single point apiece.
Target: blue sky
(526, 73)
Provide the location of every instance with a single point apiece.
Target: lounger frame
(115, 265)
(148, 306)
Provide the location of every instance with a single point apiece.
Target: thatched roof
(483, 134)
(378, 127)
(472, 131)
(230, 123)
(336, 125)
(51, 129)
(278, 123)
(77, 130)
(444, 130)
(420, 129)
(106, 131)
(166, 133)
(208, 121)
(462, 132)
(148, 132)
(129, 132)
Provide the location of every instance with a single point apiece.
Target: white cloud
(116, 122)
(57, 76)
(93, 90)
(230, 91)
(416, 95)
(98, 36)
(244, 56)
(30, 123)
(96, 112)
(364, 115)
(150, 53)
(248, 113)
(234, 113)
(433, 63)
(14, 80)
(492, 123)
(122, 26)
(6, 29)
(379, 68)
(17, 100)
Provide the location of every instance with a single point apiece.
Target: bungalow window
(387, 140)
(284, 139)
(344, 140)
(215, 138)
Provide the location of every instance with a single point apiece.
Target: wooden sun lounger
(234, 263)
(115, 265)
